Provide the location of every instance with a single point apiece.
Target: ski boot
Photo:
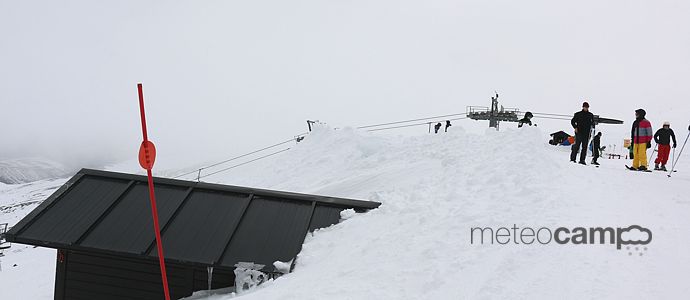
(656, 167)
(663, 168)
(642, 168)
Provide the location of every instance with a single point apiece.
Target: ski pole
(652, 154)
(679, 153)
(673, 158)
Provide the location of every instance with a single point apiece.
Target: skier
(448, 125)
(596, 147)
(526, 120)
(437, 127)
(583, 122)
(641, 135)
(663, 138)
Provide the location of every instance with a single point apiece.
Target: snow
(23, 170)
(348, 213)
(433, 190)
(26, 272)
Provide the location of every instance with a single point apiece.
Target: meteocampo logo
(635, 235)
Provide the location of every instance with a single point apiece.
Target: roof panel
(200, 231)
(78, 208)
(129, 226)
(324, 216)
(272, 229)
(202, 224)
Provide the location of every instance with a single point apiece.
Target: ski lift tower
(494, 115)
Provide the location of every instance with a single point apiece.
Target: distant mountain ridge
(23, 170)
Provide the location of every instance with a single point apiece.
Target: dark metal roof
(201, 223)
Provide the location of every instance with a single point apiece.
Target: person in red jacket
(641, 136)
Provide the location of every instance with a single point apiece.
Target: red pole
(147, 156)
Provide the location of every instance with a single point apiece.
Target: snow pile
(435, 188)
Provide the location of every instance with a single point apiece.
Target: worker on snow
(447, 125)
(641, 136)
(596, 148)
(437, 127)
(526, 120)
(663, 138)
(583, 122)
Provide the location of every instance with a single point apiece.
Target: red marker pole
(147, 156)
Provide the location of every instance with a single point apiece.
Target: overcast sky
(226, 77)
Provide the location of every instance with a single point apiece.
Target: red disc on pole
(147, 155)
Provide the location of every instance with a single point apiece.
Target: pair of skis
(646, 170)
(638, 170)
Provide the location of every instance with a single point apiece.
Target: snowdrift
(435, 188)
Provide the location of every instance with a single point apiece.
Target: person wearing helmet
(582, 122)
(663, 138)
(641, 136)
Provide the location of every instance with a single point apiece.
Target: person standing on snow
(448, 125)
(663, 138)
(437, 127)
(596, 146)
(583, 122)
(641, 136)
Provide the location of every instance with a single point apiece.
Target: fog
(222, 78)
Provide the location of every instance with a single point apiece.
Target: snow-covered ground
(26, 272)
(23, 170)
(434, 189)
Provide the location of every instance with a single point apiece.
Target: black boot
(663, 168)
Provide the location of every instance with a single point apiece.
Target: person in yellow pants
(642, 135)
(640, 156)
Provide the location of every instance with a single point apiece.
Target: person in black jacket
(526, 120)
(663, 138)
(437, 127)
(596, 148)
(583, 122)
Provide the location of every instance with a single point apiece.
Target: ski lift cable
(236, 157)
(244, 163)
(197, 171)
(410, 125)
(553, 118)
(555, 115)
(412, 120)
(361, 127)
